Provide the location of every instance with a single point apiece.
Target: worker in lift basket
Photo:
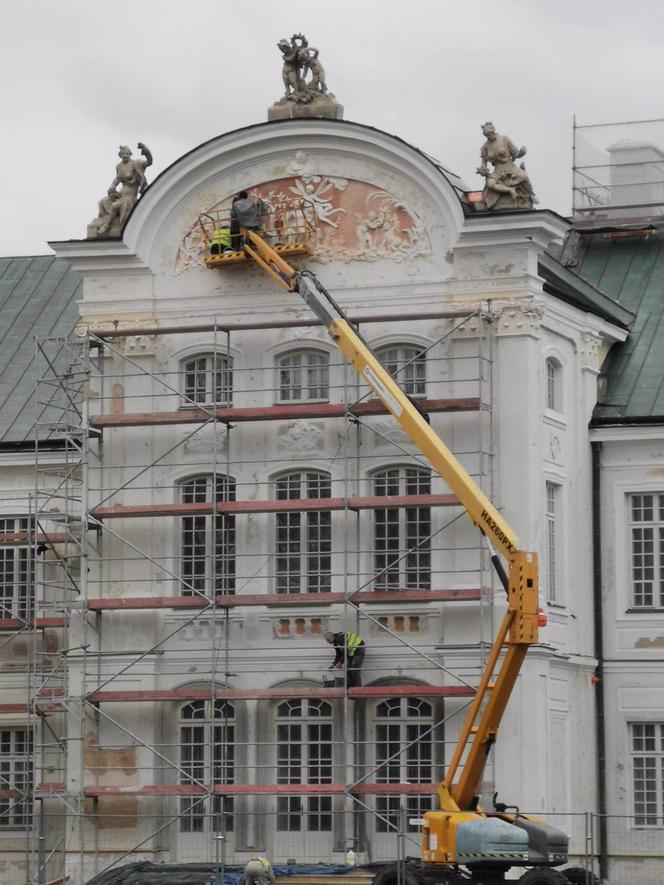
(220, 241)
(247, 212)
(351, 647)
(258, 871)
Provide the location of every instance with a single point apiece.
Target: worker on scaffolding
(258, 871)
(247, 212)
(350, 649)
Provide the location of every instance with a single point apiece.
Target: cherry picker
(462, 844)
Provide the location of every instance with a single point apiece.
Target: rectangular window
(15, 583)
(303, 562)
(647, 751)
(15, 777)
(207, 542)
(552, 523)
(646, 527)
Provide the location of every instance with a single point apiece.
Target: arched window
(304, 756)
(207, 379)
(403, 755)
(303, 375)
(15, 582)
(554, 394)
(402, 546)
(207, 541)
(406, 363)
(303, 561)
(207, 757)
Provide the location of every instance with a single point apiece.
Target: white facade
(529, 359)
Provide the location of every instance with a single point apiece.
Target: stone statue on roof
(306, 93)
(115, 207)
(507, 185)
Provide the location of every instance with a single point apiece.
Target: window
(406, 363)
(304, 756)
(552, 522)
(208, 542)
(304, 540)
(553, 385)
(646, 526)
(16, 775)
(303, 375)
(647, 749)
(208, 379)
(15, 584)
(207, 757)
(403, 755)
(402, 543)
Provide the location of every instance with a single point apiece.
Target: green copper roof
(38, 298)
(628, 266)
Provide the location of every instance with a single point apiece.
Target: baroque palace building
(213, 489)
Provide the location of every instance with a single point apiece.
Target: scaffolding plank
(274, 413)
(7, 624)
(138, 603)
(187, 329)
(193, 694)
(296, 505)
(251, 789)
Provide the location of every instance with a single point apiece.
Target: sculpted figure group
(300, 60)
(507, 185)
(115, 206)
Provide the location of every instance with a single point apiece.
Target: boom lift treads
(461, 843)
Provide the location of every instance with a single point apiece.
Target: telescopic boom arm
(519, 628)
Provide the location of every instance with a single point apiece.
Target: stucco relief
(589, 350)
(356, 221)
(386, 431)
(517, 316)
(302, 436)
(207, 442)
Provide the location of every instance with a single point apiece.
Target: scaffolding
(212, 513)
(617, 171)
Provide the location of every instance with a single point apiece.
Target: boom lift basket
(290, 227)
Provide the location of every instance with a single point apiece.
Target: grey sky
(80, 77)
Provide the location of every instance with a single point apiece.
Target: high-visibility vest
(264, 862)
(353, 642)
(221, 236)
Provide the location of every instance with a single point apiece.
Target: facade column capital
(517, 316)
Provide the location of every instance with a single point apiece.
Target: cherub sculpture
(300, 60)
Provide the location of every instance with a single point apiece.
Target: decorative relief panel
(356, 221)
(207, 441)
(302, 436)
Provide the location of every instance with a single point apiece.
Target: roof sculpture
(507, 185)
(303, 97)
(115, 206)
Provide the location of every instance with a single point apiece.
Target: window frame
(409, 770)
(553, 524)
(223, 525)
(16, 813)
(657, 756)
(192, 809)
(321, 389)
(553, 384)
(405, 520)
(216, 362)
(415, 386)
(314, 535)
(314, 813)
(657, 526)
(16, 561)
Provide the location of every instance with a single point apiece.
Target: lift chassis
(462, 844)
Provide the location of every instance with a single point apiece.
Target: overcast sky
(80, 77)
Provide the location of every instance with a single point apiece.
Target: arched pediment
(376, 197)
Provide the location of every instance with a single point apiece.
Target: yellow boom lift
(462, 844)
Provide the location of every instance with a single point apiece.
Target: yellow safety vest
(221, 236)
(353, 642)
(265, 863)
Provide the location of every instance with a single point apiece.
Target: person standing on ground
(258, 871)
(349, 647)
